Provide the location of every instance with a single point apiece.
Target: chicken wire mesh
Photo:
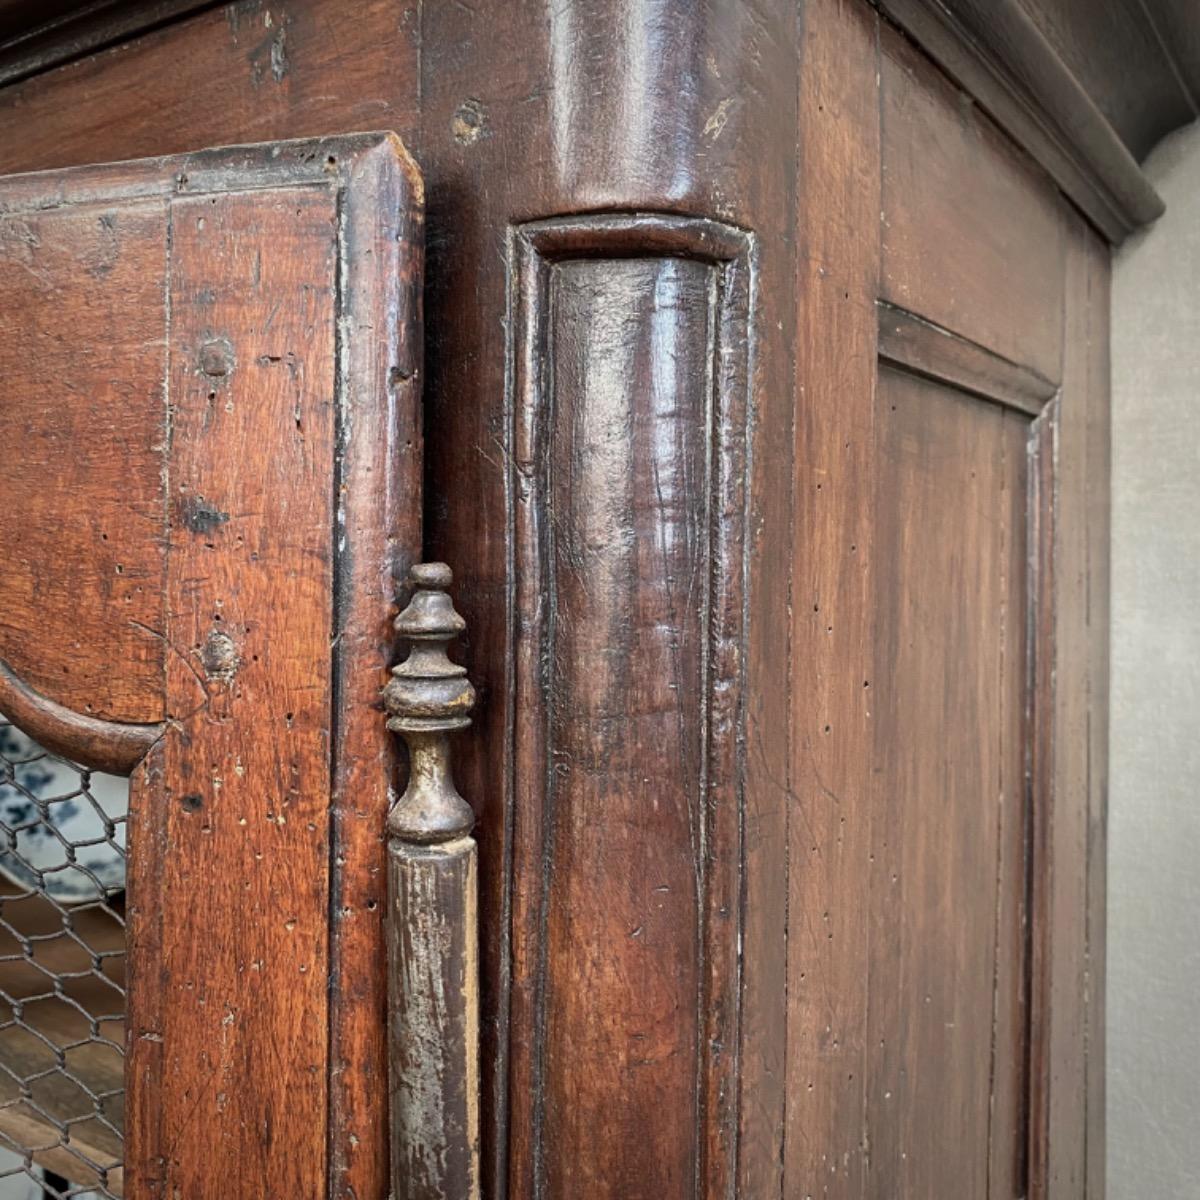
(62, 975)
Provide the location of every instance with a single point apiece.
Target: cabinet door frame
(290, 444)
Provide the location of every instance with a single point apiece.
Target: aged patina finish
(432, 927)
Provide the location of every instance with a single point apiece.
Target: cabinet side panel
(972, 237)
(950, 771)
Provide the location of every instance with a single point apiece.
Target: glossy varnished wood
(629, 446)
(611, 79)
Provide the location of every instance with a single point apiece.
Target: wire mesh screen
(62, 975)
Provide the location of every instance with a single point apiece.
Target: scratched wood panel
(229, 989)
(82, 357)
(626, 480)
(316, 436)
(632, 419)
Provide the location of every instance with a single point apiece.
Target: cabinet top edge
(328, 161)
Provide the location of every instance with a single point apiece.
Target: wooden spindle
(432, 925)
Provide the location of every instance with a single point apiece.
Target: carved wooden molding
(911, 343)
(113, 746)
(630, 352)
(432, 926)
(998, 53)
(37, 36)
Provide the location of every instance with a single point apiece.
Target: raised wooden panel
(947, 877)
(972, 236)
(630, 411)
(83, 320)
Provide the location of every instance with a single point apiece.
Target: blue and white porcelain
(62, 829)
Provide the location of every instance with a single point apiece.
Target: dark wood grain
(635, 118)
(274, 64)
(377, 474)
(683, 109)
(110, 746)
(998, 51)
(949, 768)
(629, 449)
(1085, 92)
(243, 805)
(291, 496)
(35, 37)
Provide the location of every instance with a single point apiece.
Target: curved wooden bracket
(432, 926)
(99, 745)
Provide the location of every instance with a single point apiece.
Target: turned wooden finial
(427, 698)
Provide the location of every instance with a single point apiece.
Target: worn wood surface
(768, 121)
(949, 762)
(1085, 91)
(628, 662)
(35, 37)
(240, 829)
(434, 1033)
(923, 348)
(909, 977)
(378, 469)
(1070, 776)
(112, 746)
(826, 1149)
(284, 70)
(1001, 52)
(289, 497)
(432, 924)
(82, 319)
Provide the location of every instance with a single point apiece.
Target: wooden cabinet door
(211, 476)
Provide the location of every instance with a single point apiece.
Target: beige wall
(1154, 830)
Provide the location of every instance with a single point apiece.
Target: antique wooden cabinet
(747, 363)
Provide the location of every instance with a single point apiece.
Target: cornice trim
(995, 51)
